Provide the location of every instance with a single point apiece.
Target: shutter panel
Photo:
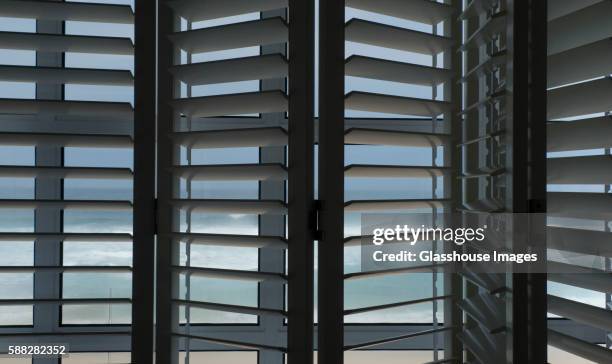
(49, 123)
(579, 58)
(501, 110)
(433, 116)
(282, 123)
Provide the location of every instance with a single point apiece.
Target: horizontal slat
(233, 138)
(487, 310)
(482, 206)
(57, 75)
(476, 7)
(364, 101)
(66, 43)
(67, 268)
(382, 69)
(580, 312)
(232, 343)
(491, 63)
(494, 26)
(388, 340)
(233, 104)
(120, 111)
(66, 301)
(382, 205)
(578, 64)
(51, 10)
(259, 207)
(55, 333)
(580, 205)
(482, 173)
(376, 34)
(393, 137)
(66, 140)
(422, 11)
(367, 239)
(557, 9)
(379, 171)
(246, 241)
(65, 172)
(491, 282)
(80, 237)
(486, 348)
(487, 100)
(355, 311)
(395, 271)
(198, 10)
(578, 276)
(232, 308)
(232, 172)
(443, 361)
(579, 347)
(591, 242)
(232, 70)
(580, 99)
(484, 137)
(593, 169)
(582, 27)
(232, 274)
(67, 204)
(237, 35)
(589, 133)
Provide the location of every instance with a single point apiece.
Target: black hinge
(537, 205)
(314, 221)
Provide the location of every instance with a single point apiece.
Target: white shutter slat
(579, 134)
(42, 42)
(198, 10)
(580, 99)
(381, 69)
(233, 172)
(237, 35)
(596, 169)
(257, 207)
(233, 138)
(52, 75)
(376, 34)
(382, 171)
(422, 11)
(246, 241)
(366, 136)
(583, 63)
(581, 27)
(364, 101)
(232, 70)
(60, 10)
(232, 104)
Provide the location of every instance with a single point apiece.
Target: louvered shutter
(500, 111)
(272, 119)
(579, 101)
(335, 104)
(49, 123)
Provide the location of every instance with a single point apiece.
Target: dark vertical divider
(165, 352)
(537, 290)
(331, 181)
(301, 224)
(527, 49)
(145, 29)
